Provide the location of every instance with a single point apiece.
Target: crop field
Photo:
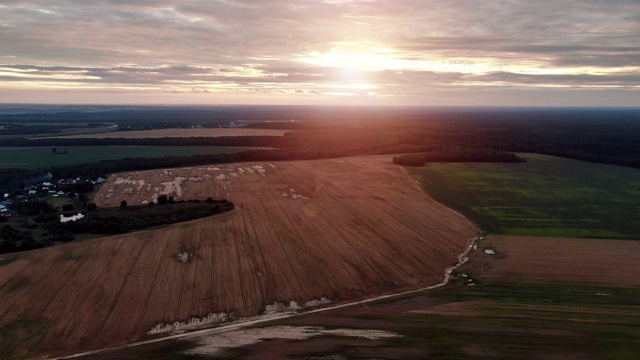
(160, 133)
(43, 157)
(302, 231)
(558, 260)
(547, 196)
(536, 298)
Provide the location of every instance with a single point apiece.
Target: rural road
(462, 258)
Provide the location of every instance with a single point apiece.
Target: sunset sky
(427, 52)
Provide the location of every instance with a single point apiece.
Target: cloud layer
(430, 52)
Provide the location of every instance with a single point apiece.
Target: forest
(597, 135)
(42, 223)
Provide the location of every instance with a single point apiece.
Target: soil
(357, 228)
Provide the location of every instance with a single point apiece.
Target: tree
(123, 203)
(163, 200)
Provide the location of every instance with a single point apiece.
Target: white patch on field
(241, 171)
(140, 185)
(489, 251)
(144, 202)
(125, 181)
(221, 177)
(170, 188)
(184, 257)
(196, 178)
(272, 166)
(296, 195)
(128, 190)
(317, 302)
(257, 167)
(64, 219)
(193, 323)
(285, 194)
(233, 174)
(213, 320)
(149, 187)
(249, 170)
(209, 345)
(207, 175)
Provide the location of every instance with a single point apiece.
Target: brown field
(303, 230)
(460, 321)
(557, 260)
(160, 133)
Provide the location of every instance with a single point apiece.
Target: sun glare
(376, 58)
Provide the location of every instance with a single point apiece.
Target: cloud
(304, 47)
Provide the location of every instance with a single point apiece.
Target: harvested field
(160, 133)
(303, 230)
(557, 260)
(525, 317)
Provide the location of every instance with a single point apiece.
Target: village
(46, 187)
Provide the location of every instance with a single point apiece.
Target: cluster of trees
(241, 141)
(12, 239)
(19, 129)
(129, 218)
(597, 136)
(457, 155)
(32, 207)
(45, 220)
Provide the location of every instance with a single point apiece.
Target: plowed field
(557, 260)
(303, 230)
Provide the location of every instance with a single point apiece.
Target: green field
(547, 196)
(43, 157)
(526, 321)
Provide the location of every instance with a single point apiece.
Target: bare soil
(341, 229)
(553, 260)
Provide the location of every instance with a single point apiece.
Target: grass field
(43, 157)
(547, 196)
(303, 230)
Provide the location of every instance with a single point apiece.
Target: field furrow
(302, 230)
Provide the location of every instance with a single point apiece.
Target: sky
(361, 52)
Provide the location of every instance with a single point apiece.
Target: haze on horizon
(370, 52)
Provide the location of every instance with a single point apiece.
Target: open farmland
(557, 260)
(540, 298)
(160, 133)
(43, 157)
(302, 231)
(546, 196)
